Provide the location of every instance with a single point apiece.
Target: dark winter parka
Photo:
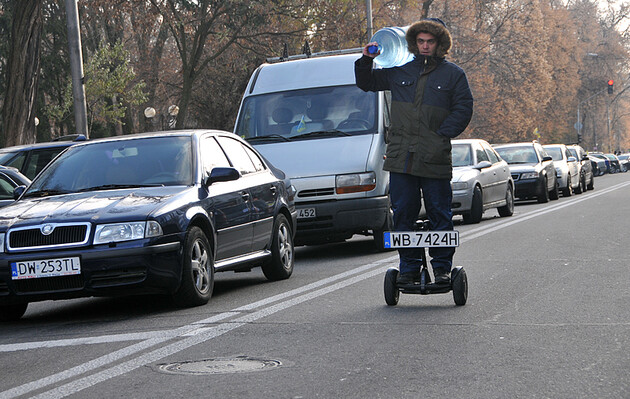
(431, 103)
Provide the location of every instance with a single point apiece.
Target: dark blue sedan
(148, 213)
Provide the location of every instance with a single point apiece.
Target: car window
(494, 157)
(6, 188)
(13, 159)
(258, 163)
(212, 155)
(38, 161)
(573, 153)
(481, 155)
(237, 154)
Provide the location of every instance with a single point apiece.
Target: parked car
(624, 160)
(600, 166)
(567, 169)
(481, 180)
(615, 165)
(30, 159)
(532, 170)
(145, 213)
(607, 165)
(10, 178)
(586, 172)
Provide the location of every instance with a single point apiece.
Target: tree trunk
(23, 73)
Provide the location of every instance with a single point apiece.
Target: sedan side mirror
(483, 165)
(19, 190)
(547, 158)
(222, 174)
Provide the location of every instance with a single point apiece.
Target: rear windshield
(295, 114)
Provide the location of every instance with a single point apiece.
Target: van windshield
(307, 114)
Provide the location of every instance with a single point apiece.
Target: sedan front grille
(48, 236)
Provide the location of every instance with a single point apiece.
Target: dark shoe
(442, 277)
(408, 278)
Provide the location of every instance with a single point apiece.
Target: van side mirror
(547, 158)
(571, 159)
(219, 174)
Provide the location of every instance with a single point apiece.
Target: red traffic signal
(610, 86)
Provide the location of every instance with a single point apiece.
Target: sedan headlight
(529, 175)
(459, 185)
(355, 183)
(117, 232)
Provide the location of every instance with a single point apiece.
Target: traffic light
(610, 86)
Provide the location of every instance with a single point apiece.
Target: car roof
(467, 141)
(166, 133)
(49, 144)
(527, 144)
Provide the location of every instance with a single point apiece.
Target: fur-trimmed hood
(435, 27)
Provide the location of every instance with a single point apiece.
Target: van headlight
(355, 183)
(1, 242)
(126, 231)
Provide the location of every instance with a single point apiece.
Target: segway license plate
(421, 239)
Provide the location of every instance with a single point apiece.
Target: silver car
(567, 168)
(481, 180)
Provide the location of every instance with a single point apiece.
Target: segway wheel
(460, 286)
(391, 291)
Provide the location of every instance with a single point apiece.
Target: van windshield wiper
(319, 133)
(270, 137)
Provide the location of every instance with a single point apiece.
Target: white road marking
(195, 333)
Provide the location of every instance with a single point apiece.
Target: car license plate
(306, 213)
(45, 268)
(421, 239)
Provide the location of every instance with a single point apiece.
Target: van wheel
(280, 266)
(197, 271)
(388, 225)
(12, 312)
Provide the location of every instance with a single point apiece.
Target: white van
(307, 116)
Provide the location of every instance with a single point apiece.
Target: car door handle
(245, 196)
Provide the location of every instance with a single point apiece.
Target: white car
(567, 168)
(481, 180)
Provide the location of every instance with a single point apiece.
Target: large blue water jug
(393, 46)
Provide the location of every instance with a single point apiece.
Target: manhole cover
(222, 365)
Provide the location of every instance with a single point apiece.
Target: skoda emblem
(47, 229)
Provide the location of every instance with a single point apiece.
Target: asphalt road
(547, 317)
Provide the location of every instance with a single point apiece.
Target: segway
(424, 239)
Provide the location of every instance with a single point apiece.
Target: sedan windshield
(516, 155)
(555, 153)
(461, 155)
(145, 162)
(304, 114)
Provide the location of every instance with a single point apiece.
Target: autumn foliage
(530, 63)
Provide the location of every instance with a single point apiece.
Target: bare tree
(22, 73)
